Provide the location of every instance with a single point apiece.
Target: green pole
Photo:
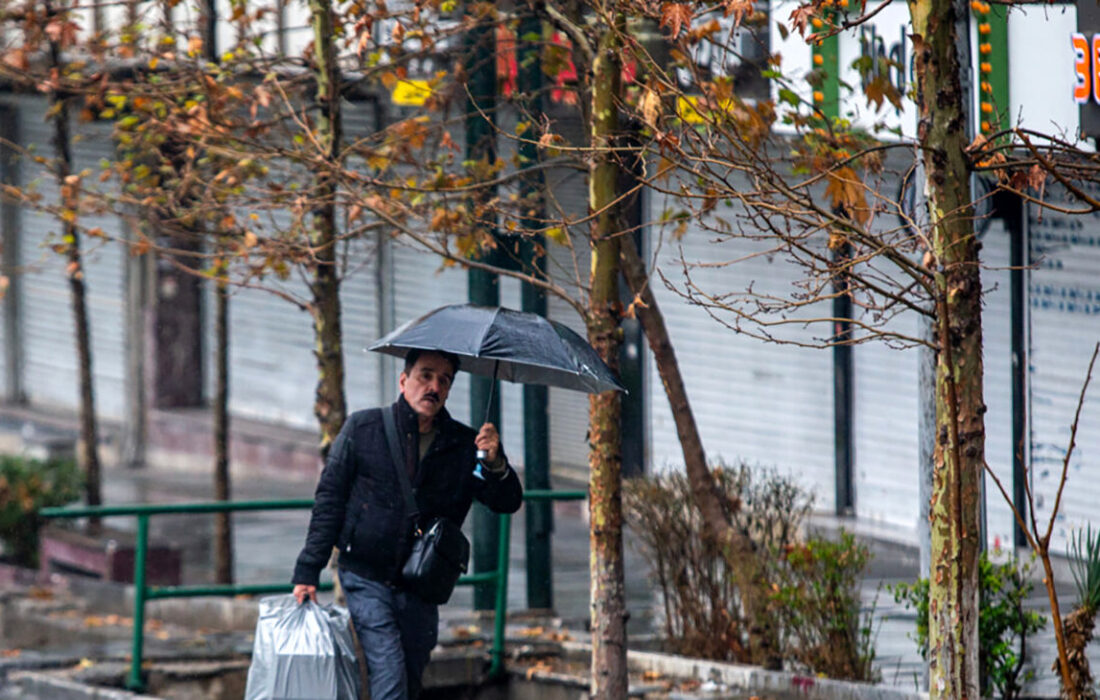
(993, 104)
(539, 516)
(484, 286)
(826, 76)
(486, 525)
(134, 682)
(497, 665)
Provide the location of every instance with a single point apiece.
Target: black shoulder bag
(440, 553)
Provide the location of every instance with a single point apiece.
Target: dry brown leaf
(676, 15)
(40, 593)
(1036, 177)
(540, 667)
(548, 139)
(800, 18)
(651, 107)
(738, 9)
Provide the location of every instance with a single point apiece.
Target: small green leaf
(789, 96)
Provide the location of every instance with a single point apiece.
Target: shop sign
(1086, 65)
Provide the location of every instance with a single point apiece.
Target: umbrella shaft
(489, 403)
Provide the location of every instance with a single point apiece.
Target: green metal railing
(144, 593)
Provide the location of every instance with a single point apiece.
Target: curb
(40, 685)
(754, 680)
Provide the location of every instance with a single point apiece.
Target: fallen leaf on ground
(539, 667)
(85, 663)
(10, 653)
(651, 675)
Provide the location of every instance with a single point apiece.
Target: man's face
(426, 386)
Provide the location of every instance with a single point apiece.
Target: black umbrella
(502, 343)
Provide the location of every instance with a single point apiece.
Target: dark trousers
(397, 630)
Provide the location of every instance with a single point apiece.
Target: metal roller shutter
(769, 405)
(1064, 301)
(273, 371)
(359, 324)
(50, 367)
(997, 378)
(10, 212)
(887, 402)
(360, 292)
(885, 409)
(568, 409)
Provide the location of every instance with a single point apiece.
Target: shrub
(699, 601)
(26, 485)
(1003, 624)
(815, 585)
(817, 596)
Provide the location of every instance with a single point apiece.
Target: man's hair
(414, 355)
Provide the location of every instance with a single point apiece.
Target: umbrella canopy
(514, 345)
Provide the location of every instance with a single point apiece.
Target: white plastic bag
(302, 652)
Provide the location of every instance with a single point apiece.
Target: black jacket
(359, 506)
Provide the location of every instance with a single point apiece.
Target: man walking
(359, 507)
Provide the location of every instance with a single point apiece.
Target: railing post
(134, 682)
(503, 550)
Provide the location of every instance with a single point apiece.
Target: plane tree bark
(959, 454)
(609, 674)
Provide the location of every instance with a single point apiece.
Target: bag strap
(390, 425)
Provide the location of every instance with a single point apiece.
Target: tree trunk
(329, 406)
(69, 188)
(739, 551)
(960, 432)
(1078, 627)
(223, 525)
(609, 678)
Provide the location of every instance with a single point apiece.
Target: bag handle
(390, 425)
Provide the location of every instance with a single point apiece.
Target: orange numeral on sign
(1096, 68)
(1082, 86)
